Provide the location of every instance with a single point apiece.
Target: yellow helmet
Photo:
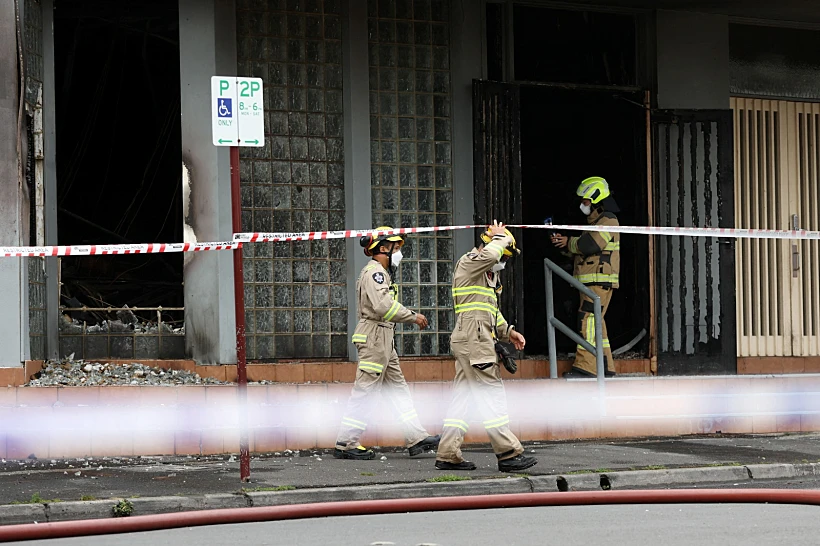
(593, 188)
(372, 241)
(510, 251)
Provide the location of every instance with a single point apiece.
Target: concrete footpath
(56, 490)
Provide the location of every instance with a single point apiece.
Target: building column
(692, 67)
(14, 346)
(207, 38)
(50, 183)
(358, 204)
(466, 65)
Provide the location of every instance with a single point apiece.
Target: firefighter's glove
(506, 358)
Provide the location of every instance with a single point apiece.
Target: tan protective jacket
(378, 309)
(597, 254)
(479, 322)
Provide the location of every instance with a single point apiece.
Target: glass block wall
(410, 153)
(295, 293)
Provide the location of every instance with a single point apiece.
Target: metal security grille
(411, 156)
(777, 162)
(693, 161)
(497, 175)
(37, 307)
(295, 293)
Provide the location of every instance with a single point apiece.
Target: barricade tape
(736, 233)
(259, 237)
(99, 250)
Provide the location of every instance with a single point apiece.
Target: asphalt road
(636, 525)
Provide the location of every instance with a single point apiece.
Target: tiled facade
(295, 293)
(411, 155)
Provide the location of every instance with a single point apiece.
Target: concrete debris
(79, 373)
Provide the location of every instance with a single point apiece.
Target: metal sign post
(238, 120)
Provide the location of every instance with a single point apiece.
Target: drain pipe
(356, 508)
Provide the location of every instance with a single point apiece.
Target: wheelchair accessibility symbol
(223, 108)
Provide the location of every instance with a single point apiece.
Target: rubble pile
(127, 323)
(79, 373)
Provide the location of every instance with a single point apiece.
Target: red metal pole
(239, 308)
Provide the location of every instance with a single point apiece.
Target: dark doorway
(119, 156)
(566, 136)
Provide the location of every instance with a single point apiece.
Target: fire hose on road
(134, 524)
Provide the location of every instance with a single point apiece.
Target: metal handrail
(551, 267)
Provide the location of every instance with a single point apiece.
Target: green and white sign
(237, 111)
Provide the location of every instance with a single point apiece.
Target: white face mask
(499, 267)
(586, 209)
(396, 258)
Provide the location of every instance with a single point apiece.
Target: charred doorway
(566, 136)
(118, 161)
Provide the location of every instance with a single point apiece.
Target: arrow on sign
(223, 141)
(253, 141)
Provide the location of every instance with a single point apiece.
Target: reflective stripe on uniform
(499, 320)
(393, 310)
(359, 338)
(456, 423)
(496, 248)
(371, 366)
(614, 245)
(597, 278)
(605, 235)
(588, 333)
(408, 416)
(470, 290)
(476, 306)
(573, 245)
(354, 423)
(498, 422)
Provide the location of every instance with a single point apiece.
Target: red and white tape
(259, 237)
(99, 250)
(736, 233)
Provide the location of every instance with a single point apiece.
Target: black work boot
(360, 453)
(517, 463)
(428, 444)
(463, 465)
(577, 373)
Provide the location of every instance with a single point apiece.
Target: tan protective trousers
(583, 358)
(368, 384)
(483, 390)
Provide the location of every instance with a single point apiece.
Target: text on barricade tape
(737, 233)
(99, 250)
(240, 238)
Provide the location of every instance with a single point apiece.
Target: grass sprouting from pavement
(449, 478)
(367, 474)
(37, 499)
(580, 472)
(602, 470)
(88, 498)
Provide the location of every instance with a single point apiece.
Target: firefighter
(378, 368)
(479, 325)
(597, 260)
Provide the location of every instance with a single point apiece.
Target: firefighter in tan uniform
(378, 368)
(479, 324)
(597, 261)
